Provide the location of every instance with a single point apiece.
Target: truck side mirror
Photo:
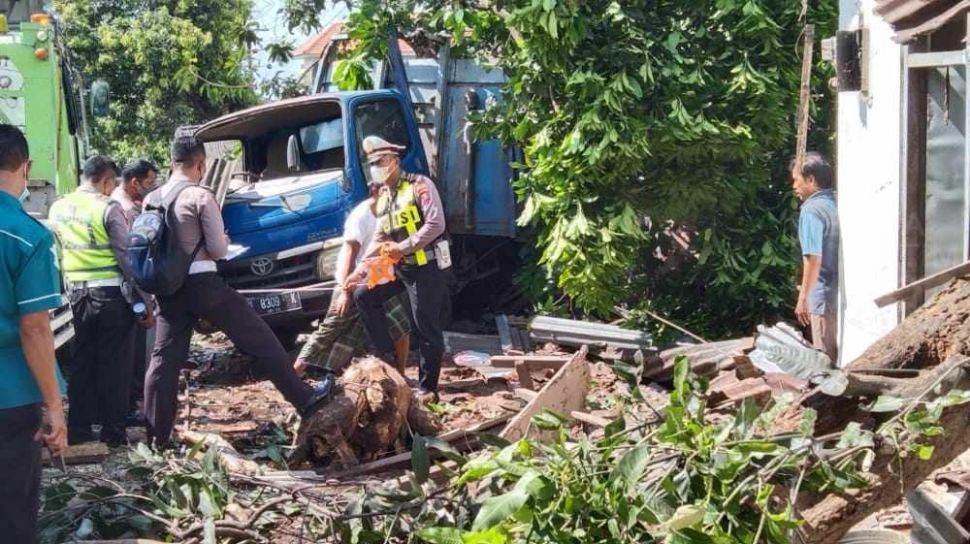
(293, 154)
(100, 104)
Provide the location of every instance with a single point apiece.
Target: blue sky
(273, 27)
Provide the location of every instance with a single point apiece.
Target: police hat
(376, 147)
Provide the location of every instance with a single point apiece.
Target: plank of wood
(565, 392)
(524, 370)
(508, 361)
(804, 95)
(589, 418)
(81, 454)
(926, 283)
(527, 395)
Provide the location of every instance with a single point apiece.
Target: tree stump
(934, 339)
(363, 417)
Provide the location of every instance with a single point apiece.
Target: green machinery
(40, 94)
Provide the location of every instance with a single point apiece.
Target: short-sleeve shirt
(818, 234)
(29, 283)
(360, 226)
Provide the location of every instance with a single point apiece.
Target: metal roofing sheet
(912, 18)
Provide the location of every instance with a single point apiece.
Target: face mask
(25, 194)
(380, 174)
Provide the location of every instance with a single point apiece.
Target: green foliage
(686, 479)
(680, 112)
(168, 64)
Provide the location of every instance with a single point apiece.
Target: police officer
(410, 230)
(92, 233)
(29, 379)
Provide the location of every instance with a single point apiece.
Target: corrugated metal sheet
(912, 18)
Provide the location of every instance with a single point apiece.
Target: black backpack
(158, 263)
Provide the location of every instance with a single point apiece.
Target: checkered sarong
(338, 339)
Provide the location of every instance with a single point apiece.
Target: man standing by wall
(818, 233)
(92, 233)
(29, 379)
(200, 232)
(340, 333)
(138, 178)
(411, 221)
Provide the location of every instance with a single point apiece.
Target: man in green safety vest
(410, 233)
(92, 233)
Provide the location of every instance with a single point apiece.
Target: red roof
(317, 45)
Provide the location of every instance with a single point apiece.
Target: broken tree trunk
(935, 337)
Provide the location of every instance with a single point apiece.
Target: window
(322, 136)
(384, 118)
(936, 207)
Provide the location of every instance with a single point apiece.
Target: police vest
(78, 221)
(400, 216)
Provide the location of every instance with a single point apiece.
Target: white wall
(869, 164)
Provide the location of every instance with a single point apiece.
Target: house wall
(869, 165)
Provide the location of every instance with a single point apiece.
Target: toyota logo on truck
(261, 266)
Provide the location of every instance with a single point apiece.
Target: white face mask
(25, 194)
(380, 174)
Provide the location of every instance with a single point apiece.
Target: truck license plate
(276, 304)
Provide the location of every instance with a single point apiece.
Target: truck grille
(295, 271)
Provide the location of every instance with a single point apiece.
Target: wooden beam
(804, 96)
(926, 283)
(508, 361)
(524, 370)
(596, 421)
(80, 454)
(564, 393)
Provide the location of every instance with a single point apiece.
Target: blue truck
(289, 172)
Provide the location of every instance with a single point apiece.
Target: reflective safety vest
(78, 222)
(401, 217)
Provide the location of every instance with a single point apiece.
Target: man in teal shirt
(29, 379)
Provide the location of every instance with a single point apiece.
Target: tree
(637, 118)
(168, 63)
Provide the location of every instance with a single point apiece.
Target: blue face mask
(24, 195)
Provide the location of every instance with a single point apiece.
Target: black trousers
(19, 473)
(139, 366)
(426, 287)
(206, 296)
(101, 363)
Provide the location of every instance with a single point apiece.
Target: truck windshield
(322, 136)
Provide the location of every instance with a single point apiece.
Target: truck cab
(291, 174)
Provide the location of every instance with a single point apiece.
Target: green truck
(41, 94)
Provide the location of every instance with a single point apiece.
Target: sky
(273, 27)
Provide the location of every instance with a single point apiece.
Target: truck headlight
(327, 263)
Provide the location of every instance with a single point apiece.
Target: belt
(413, 259)
(201, 267)
(110, 282)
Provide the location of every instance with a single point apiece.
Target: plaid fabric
(339, 339)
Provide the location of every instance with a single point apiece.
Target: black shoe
(320, 393)
(135, 419)
(114, 436)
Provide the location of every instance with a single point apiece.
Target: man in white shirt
(340, 334)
